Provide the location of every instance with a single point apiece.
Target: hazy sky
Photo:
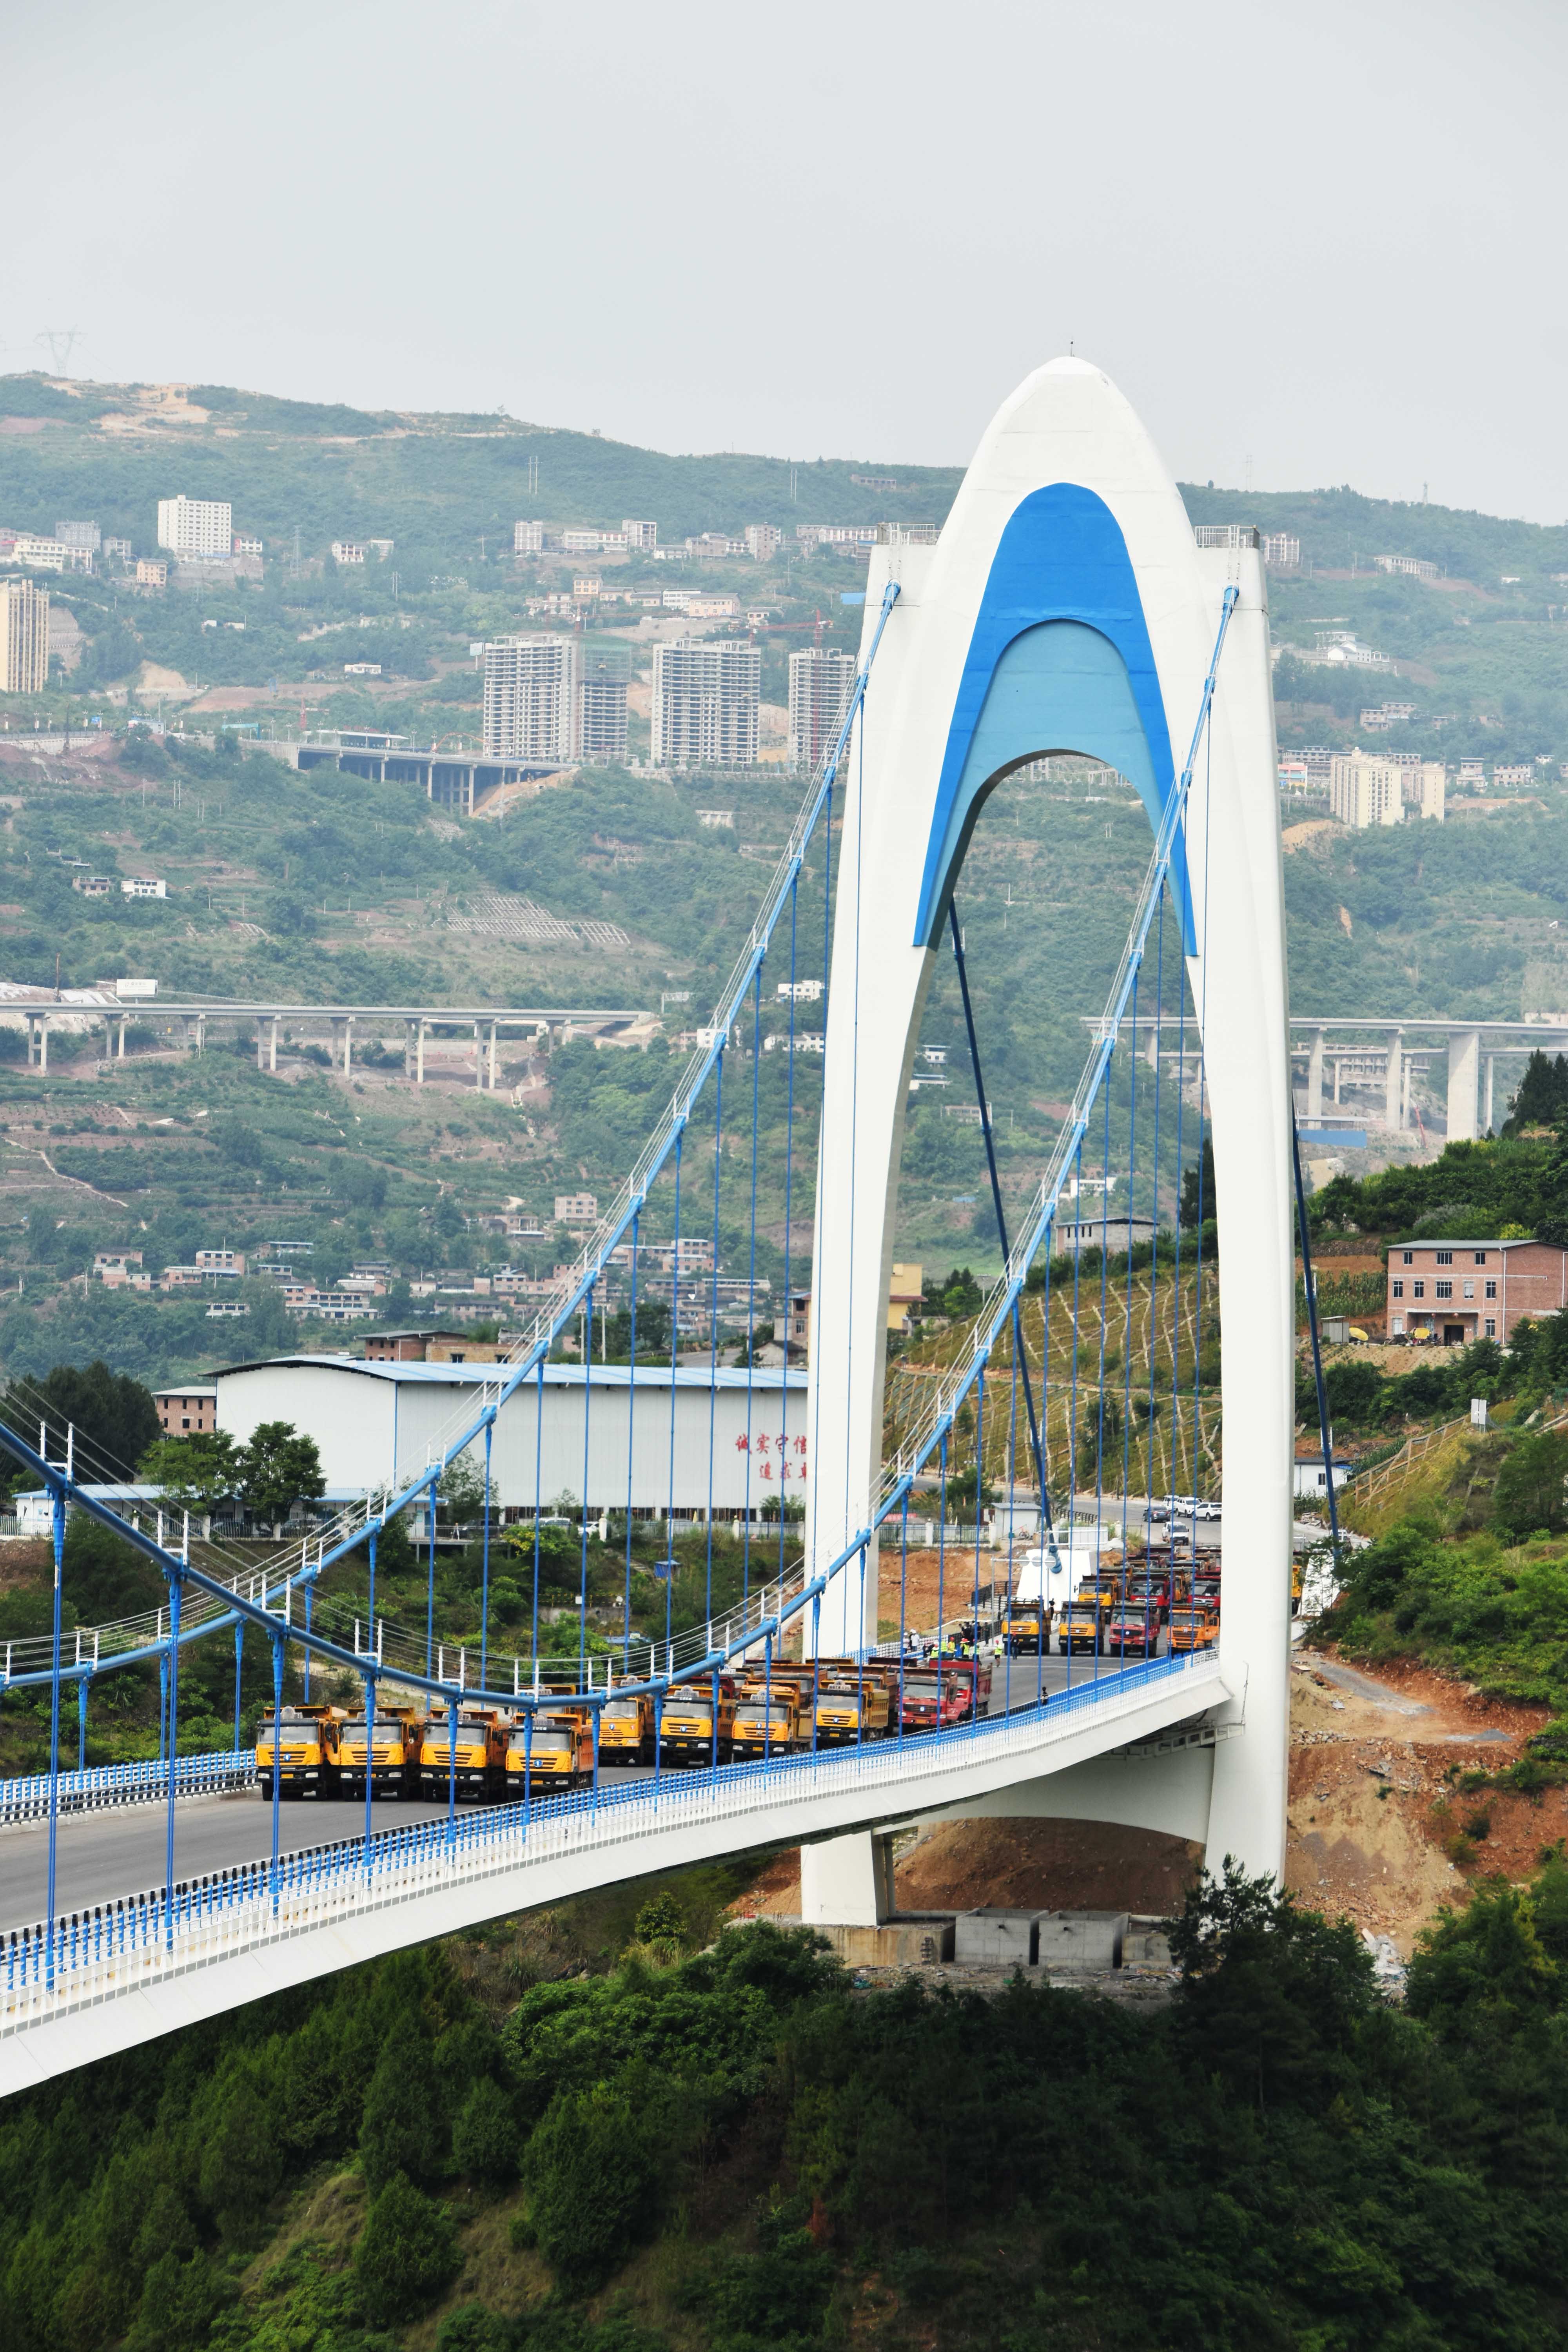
(1327, 238)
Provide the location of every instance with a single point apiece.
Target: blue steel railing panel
(104, 1786)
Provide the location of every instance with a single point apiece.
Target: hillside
(319, 885)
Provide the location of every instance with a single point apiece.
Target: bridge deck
(338, 1906)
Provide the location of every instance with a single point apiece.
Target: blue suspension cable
(751, 1305)
(484, 1571)
(789, 1175)
(583, 1563)
(631, 1432)
(713, 1331)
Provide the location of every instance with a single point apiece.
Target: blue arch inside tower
(1059, 661)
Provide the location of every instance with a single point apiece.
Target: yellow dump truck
(480, 1752)
(687, 1725)
(560, 1754)
(1081, 1626)
(393, 1743)
(1194, 1628)
(625, 1730)
(767, 1722)
(1026, 1628)
(852, 1706)
(306, 1758)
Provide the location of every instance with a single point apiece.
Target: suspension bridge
(1065, 608)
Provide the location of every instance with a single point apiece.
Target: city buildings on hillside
(199, 527)
(820, 676)
(1281, 552)
(1411, 565)
(762, 541)
(1365, 792)
(642, 538)
(602, 719)
(531, 701)
(526, 538)
(705, 705)
(24, 637)
(545, 699)
(81, 538)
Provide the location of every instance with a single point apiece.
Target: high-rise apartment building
(819, 678)
(531, 698)
(705, 699)
(196, 526)
(526, 538)
(602, 726)
(24, 637)
(1364, 793)
(642, 538)
(762, 539)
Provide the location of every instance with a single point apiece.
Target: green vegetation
(734, 2148)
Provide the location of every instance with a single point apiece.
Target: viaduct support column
(260, 1042)
(1315, 1079)
(478, 1057)
(1392, 1086)
(1491, 1067)
(119, 1048)
(1463, 1061)
(491, 1079)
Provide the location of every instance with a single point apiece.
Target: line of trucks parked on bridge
(1121, 1608)
(325, 1752)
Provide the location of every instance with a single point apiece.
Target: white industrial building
(380, 1423)
(705, 705)
(196, 526)
(531, 706)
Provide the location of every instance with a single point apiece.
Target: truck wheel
(266, 1780)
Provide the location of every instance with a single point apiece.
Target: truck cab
(559, 1755)
(687, 1730)
(625, 1730)
(388, 1749)
(767, 1723)
(480, 1751)
(1026, 1628)
(303, 1751)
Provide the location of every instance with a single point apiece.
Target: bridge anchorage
(830, 1690)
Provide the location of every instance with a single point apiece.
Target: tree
(485, 2137)
(1196, 1180)
(403, 2127)
(594, 2169)
(278, 1469)
(461, 1491)
(1532, 1488)
(406, 2251)
(196, 1473)
(1542, 1096)
(114, 1417)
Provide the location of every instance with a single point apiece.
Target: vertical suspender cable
(1325, 1427)
(484, 1572)
(59, 1530)
(1047, 1531)
(752, 1306)
(789, 1177)
(674, 1366)
(176, 1583)
(583, 1565)
(631, 1431)
(537, 1506)
(713, 1325)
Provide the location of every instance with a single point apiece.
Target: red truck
(945, 1691)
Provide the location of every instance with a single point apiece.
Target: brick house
(1454, 1292)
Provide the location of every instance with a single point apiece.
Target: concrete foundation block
(898, 1944)
(1081, 1942)
(997, 1938)
(1145, 1944)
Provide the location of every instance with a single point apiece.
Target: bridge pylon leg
(848, 1882)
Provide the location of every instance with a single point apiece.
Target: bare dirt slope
(1385, 1860)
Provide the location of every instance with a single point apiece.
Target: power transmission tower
(62, 341)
